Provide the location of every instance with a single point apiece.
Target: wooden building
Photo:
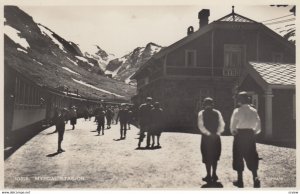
(207, 62)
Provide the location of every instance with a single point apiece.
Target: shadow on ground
(213, 185)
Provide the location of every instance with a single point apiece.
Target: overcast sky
(120, 29)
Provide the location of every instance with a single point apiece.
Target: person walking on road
(73, 116)
(245, 124)
(100, 119)
(123, 117)
(145, 121)
(116, 112)
(108, 115)
(157, 119)
(211, 125)
(60, 127)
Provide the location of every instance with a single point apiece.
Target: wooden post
(257, 46)
(212, 53)
(268, 114)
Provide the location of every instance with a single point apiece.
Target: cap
(208, 101)
(149, 99)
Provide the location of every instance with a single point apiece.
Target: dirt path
(92, 161)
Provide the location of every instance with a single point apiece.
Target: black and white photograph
(192, 96)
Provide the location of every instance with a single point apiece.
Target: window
(233, 59)
(277, 57)
(190, 58)
(232, 56)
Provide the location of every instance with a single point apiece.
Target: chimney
(203, 17)
(190, 30)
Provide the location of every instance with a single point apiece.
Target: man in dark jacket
(100, 118)
(60, 127)
(157, 119)
(145, 121)
(123, 117)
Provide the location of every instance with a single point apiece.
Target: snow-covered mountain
(97, 53)
(51, 61)
(123, 68)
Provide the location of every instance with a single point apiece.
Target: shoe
(147, 146)
(215, 178)
(152, 145)
(239, 184)
(60, 150)
(207, 179)
(102, 133)
(256, 183)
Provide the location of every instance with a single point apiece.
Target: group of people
(151, 121)
(123, 114)
(244, 125)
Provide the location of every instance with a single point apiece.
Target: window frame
(194, 54)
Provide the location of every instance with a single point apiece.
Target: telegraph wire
(277, 18)
(282, 21)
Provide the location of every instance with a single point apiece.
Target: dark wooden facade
(205, 63)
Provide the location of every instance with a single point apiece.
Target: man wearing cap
(145, 121)
(100, 118)
(123, 117)
(245, 124)
(60, 127)
(211, 125)
(73, 116)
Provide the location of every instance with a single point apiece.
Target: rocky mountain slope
(95, 52)
(49, 60)
(123, 68)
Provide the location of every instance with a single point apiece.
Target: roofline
(260, 81)
(205, 30)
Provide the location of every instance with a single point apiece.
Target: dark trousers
(100, 127)
(108, 121)
(123, 129)
(142, 135)
(244, 148)
(61, 133)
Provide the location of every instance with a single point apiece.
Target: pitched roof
(276, 73)
(234, 17)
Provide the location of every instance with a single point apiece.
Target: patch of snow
(38, 62)
(128, 79)
(13, 34)
(84, 60)
(22, 50)
(141, 51)
(48, 33)
(53, 53)
(69, 70)
(71, 93)
(91, 86)
(72, 61)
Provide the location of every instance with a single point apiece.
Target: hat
(148, 99)
(156, 104)
(123, 104)
(243, 97)
(208, 101)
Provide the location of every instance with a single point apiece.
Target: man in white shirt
(211, 125)
(244, 125)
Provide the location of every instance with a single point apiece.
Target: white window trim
(195, 58)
